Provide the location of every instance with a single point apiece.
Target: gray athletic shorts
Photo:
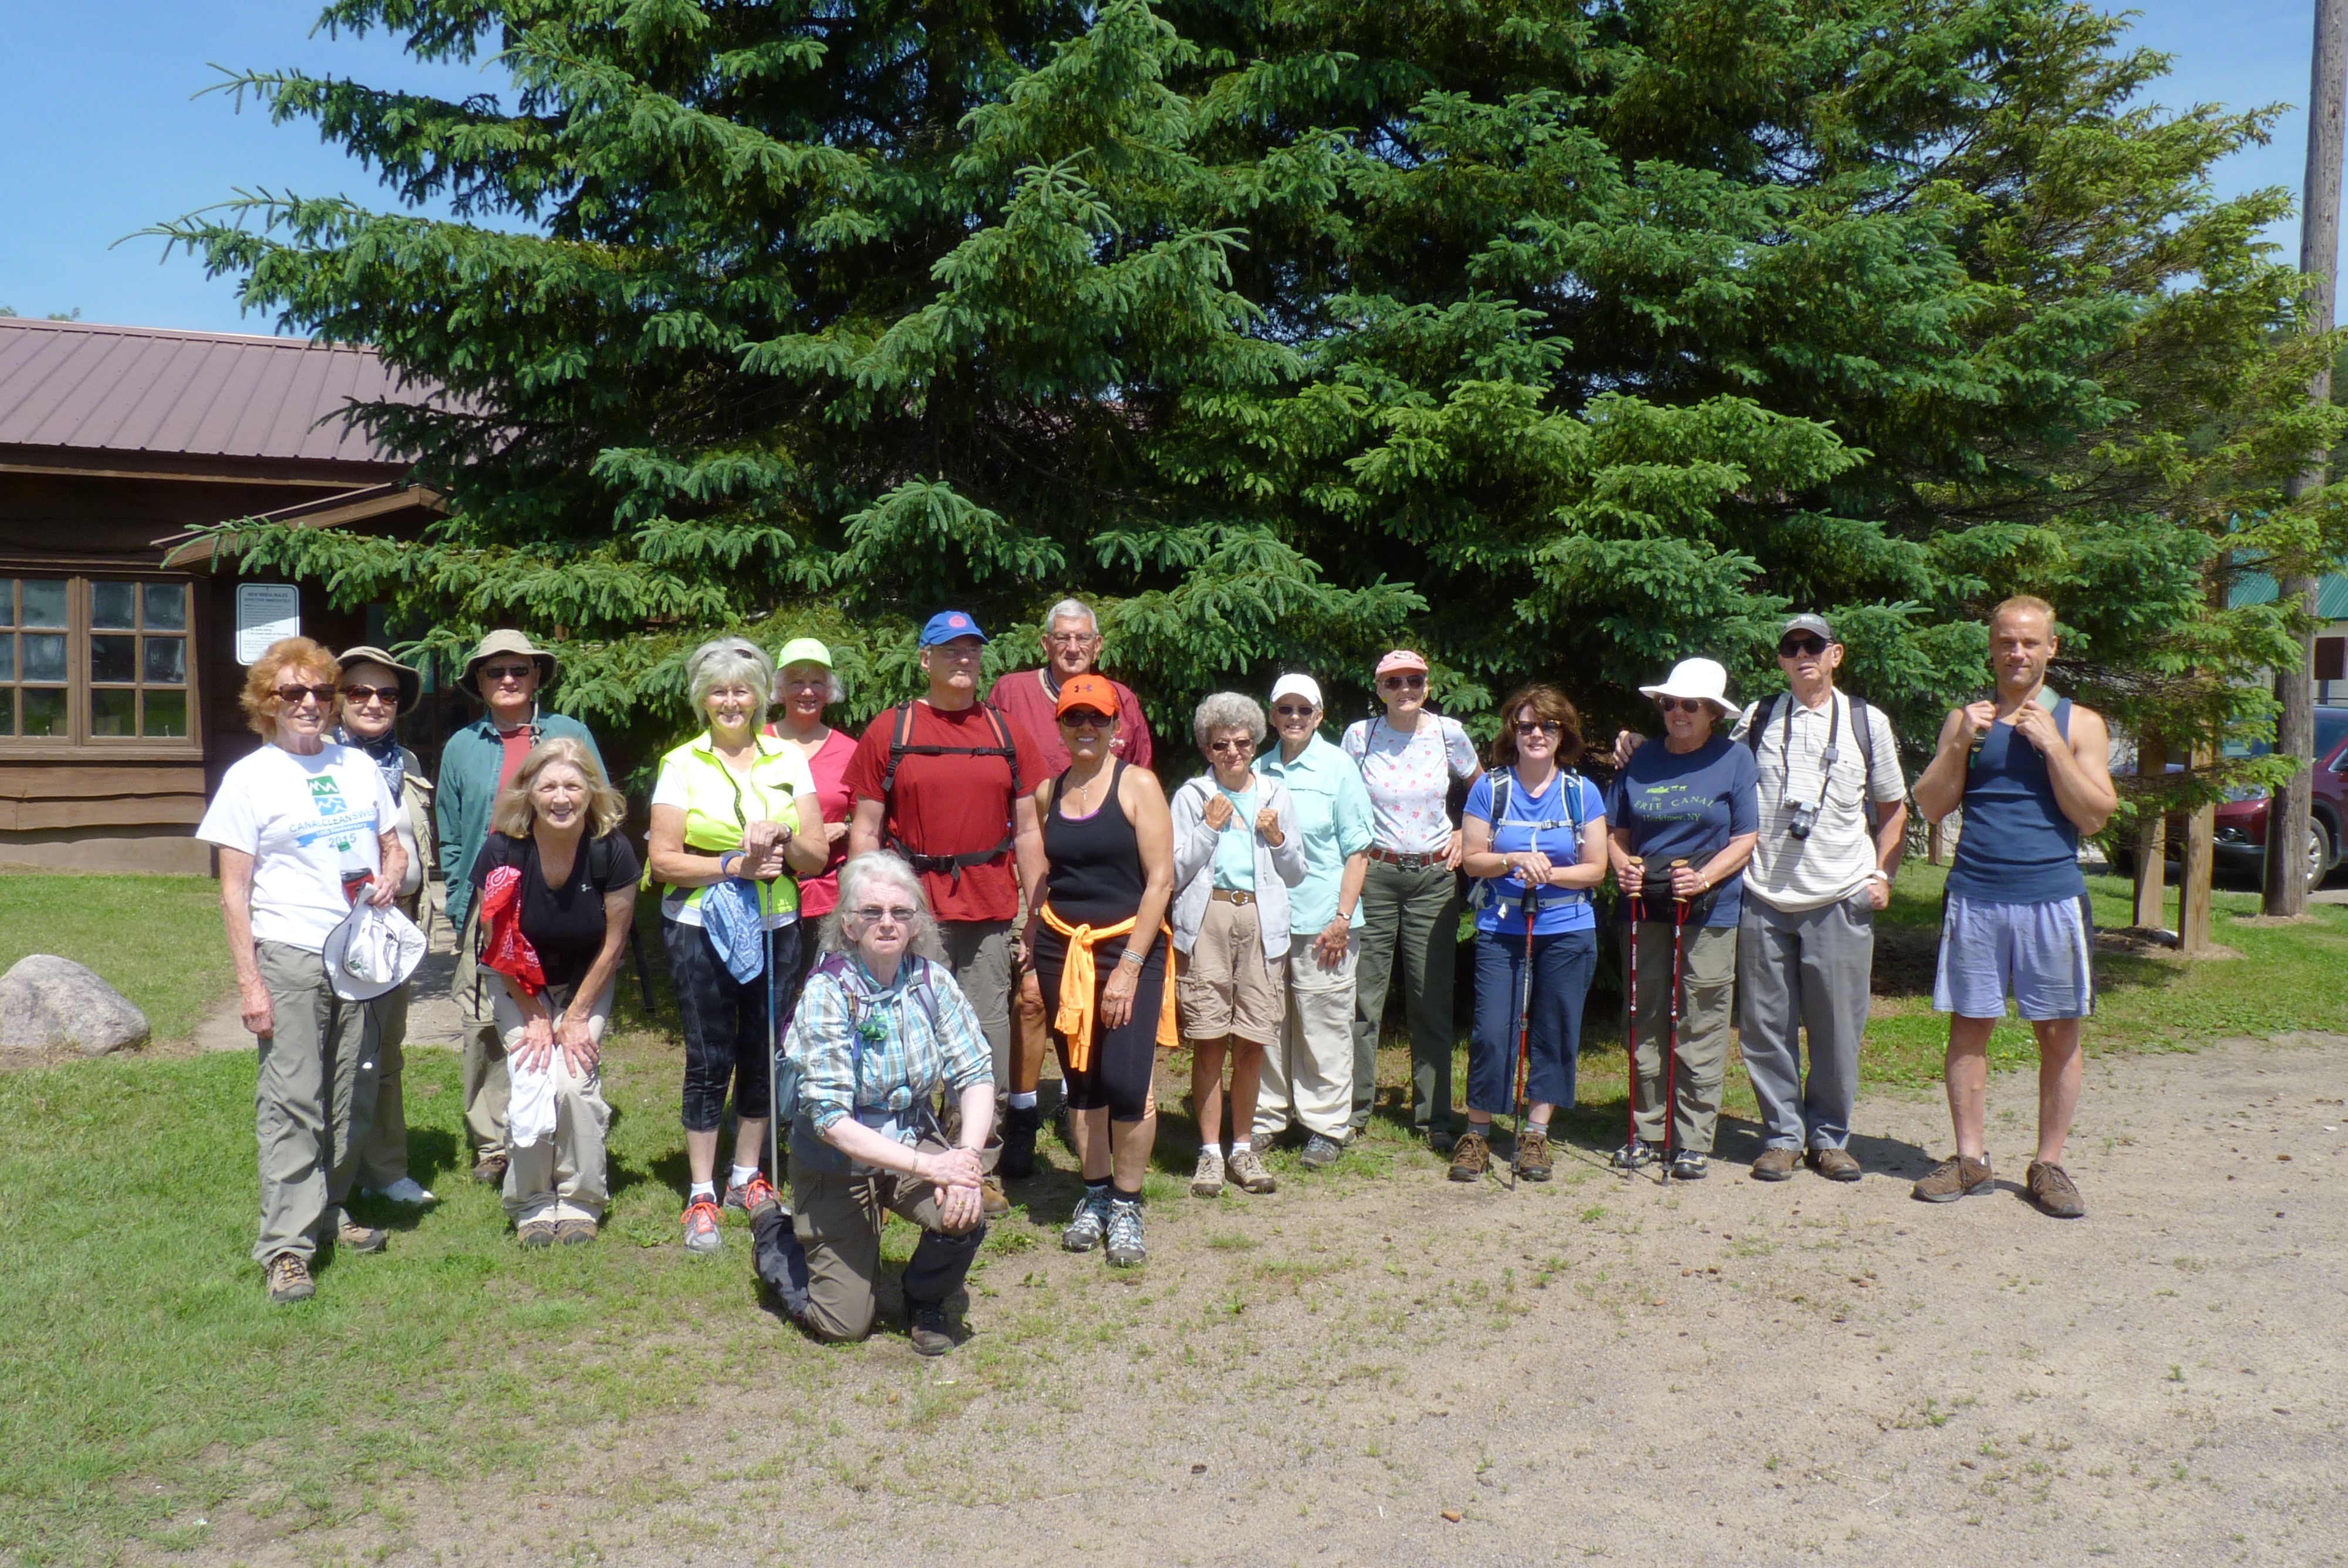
(2041, 954)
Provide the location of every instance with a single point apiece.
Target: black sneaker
(1017, 1160)
(929, 1329)
(1687, 1166)
(1635, 1155)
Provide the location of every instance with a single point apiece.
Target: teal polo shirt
(1333, 812)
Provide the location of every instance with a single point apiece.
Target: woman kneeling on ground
(1541, 851)
(557, 871)
(1095, 941)
(1236, 855)
(881, 1031)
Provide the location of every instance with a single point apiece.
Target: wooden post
(1933, 843)
(2151, 840)
(2195, 860)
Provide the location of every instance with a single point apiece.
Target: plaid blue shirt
(862, 1047)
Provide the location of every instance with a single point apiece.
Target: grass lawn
(145, 1385)
(156, 939)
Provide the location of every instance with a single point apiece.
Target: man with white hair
(1030, 700)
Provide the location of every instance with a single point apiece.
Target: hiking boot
(1687, 1166)
(1835, 1165)
(1321, 1152)
(1954, 1178)
(753, 1198)
(576, 1231)
(490, 1170)
(1020, 1125)
(1087, 1225)
(1206, 1180)
(1635, 1155)
(1124, 1247)
(928, 1328)
(1441, 1140)
(408, 1192)
(2051, 1188)
(1247, 1170)
(701, 1233)
(1471, 1156)
(349, 1232)
(1532, 1159)
(992, 1202)
(288, 1275)
(1777, 1164)
(536, 1233)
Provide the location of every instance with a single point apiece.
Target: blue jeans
(1563, 964)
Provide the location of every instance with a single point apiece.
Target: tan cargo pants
(314, 1102)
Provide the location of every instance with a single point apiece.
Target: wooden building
(119, 654)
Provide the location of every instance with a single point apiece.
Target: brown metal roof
(81, 386)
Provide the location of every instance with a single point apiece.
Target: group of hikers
(874, 941)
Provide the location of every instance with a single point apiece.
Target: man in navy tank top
(2032, 772)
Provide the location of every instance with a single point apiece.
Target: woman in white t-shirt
(304, 827)
(1410, 897)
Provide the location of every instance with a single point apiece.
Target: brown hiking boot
(2050, 1187)
(289, 1279)
(1776, 1164)
(1246, 1171)
(1954, 1178)
(1835, 1165)
(1471, 1156)
(1532, 1161)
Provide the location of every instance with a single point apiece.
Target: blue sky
(101, 134)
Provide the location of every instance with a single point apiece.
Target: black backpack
(900, 733)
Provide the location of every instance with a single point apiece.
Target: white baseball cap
(1303, 686)
(1699, 678)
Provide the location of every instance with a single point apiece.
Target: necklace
(1086, 800)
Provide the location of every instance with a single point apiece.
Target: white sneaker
(407, 1190)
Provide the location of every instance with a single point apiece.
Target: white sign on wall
(265, 612)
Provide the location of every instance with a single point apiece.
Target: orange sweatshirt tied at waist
(1075, 1018)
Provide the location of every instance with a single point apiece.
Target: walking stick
(1672, 1051)
(1634, 903)
(774, 1074)
(1524, 1034)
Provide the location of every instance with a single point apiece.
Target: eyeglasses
(1288, 713)
(1086, 719)
(1071, 639)
(1403, 683)
(292, 695)
(1230, 748)
(1805, 643)
(1682, 704)
(1544, 727)
(895, 913)
(370, 694)
(509, 672)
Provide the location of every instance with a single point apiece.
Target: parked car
(2242, 824)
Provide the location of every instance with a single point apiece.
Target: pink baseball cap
(1401, 659)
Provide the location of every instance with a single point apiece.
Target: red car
(2242, 823)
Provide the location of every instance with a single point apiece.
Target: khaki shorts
(1227, 987)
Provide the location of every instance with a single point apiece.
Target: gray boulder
(48, 1001)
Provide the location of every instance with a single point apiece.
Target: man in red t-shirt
(975, 841)
(1072, 641)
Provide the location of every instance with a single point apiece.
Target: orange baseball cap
(1087, 692)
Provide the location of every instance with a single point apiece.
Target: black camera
(1804, 816)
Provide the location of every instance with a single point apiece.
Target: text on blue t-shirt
(1689, 804)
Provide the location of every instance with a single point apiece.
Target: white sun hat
(1700, 678)
(373, 950)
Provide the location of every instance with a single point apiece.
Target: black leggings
(1125, 1060)
(726, 1038)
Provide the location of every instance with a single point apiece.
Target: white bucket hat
(373, 950)
(1700, 678)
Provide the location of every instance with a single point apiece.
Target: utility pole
(2319, 257)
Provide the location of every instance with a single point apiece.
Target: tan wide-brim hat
(507, 641)
(411, 681)
(1700, 678)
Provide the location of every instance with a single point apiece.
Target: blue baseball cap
(948, 624)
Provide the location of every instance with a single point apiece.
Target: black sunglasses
(1683, 704)
(1805, 643)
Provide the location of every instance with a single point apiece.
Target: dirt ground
(1721, 1372)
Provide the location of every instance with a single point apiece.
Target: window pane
(166, 661)
(44, 711)
(167, 713)
(44, 601)
(114, 713)
(7, 713)
(114, 604)
(7, 603)
(114, 659)
(45, 657)
(8, 657)
(167, 606)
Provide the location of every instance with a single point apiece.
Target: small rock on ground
(46, 1001)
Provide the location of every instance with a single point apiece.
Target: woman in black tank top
(1108, 848)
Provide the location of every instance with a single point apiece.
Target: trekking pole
(1672, 1052)
(774, 1075)
(1524, 1034)
(1632, 903)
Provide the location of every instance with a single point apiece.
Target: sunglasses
(895, 913)
(1230, 748)
(1797, 645)
(1288, 713)
(509, 672)
(1403, 683)
(1086, 719)
(371, 694)
(1683, 704)
(292, 695)
(1543, 728)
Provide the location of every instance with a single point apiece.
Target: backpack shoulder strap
(1502, 779)
(1863, 731)
(599, 859)
(1009, 748)
(901, 730)
(1762, 714)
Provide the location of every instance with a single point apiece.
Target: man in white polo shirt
(1805, 944)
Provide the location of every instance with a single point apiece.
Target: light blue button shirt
(1333, 810)
(1235, 846)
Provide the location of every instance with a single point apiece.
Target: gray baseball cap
(1817, 623)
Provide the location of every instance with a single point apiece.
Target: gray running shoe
(1249, 1172)
(1089, 1225)
(1206, 1180)
(701, 1236)
(1321, 1152)
(1125, 1247)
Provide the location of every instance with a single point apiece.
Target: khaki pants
(313, 1103)
(1228, 988)
(561, 1177)
(383, 1156)
(1709, 979)
(1308, 1077)
(484, 1072)
(838, 1218)
(979, 954)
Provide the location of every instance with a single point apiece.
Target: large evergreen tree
(1559, 338)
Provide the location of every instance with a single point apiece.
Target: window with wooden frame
(97, 665)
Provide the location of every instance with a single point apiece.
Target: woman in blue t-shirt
(1547, 840)
(1684, 817)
